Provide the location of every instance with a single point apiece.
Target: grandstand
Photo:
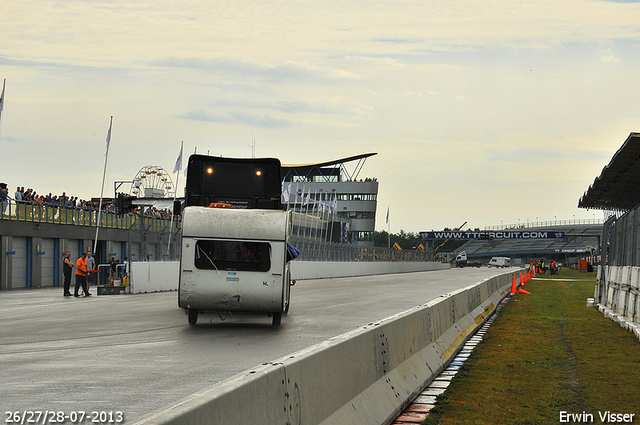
(580, 241)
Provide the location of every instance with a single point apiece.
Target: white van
(500, 262)
(235, 260)
(461, 259)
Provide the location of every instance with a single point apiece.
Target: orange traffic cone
(522, 291)
(521, 280)
(514, 287)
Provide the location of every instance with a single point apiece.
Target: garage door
(134, 250)
(47, 252)
(19, 263)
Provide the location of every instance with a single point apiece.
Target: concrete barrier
(163, 276)
(617, 296)
(154, 276)
(301, 270)
(366, 376)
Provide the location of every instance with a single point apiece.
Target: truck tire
(277, 319)
(193, 316)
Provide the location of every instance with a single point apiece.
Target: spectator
(113, 264)
(4, 196)
(91, 265)
(68, 265)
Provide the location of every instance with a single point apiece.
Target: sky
(487, 112)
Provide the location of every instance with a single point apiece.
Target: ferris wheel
(152, 181)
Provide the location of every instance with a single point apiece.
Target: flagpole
(2, 105)
(104, 173)
(178, 168)
(306, 213)
(332, 216)
(301, 205)
(314, 210)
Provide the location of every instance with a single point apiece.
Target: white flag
(287, 193)
(178, 165)
(109, 136)
(2, 97)
(308, 198)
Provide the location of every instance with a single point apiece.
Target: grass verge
(546, 353)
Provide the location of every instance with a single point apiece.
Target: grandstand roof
(618, 186)
(330, 163)
(338, 164)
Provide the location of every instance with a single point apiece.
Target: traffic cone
(522, 291)
(522, 281)
(514, 287)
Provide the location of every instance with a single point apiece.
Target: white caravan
(235, 260)
(500, 262)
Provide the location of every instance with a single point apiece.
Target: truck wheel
(193, 316)
(277, 319)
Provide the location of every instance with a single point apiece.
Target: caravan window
(233, 255)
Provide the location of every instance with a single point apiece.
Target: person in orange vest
(553, 267)
(81, 276)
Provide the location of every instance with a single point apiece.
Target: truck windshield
(233, 255)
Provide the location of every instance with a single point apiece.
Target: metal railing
(549, 223)
(314, 250)
(59, 214)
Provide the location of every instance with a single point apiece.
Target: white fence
(617, 295)
(163, 276)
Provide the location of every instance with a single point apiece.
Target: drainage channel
(419, 408)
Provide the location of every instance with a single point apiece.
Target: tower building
(337, 187)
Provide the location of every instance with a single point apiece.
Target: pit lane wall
(163, 276)
(617, 296)
(366, 376)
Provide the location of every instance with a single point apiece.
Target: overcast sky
(488, 112)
